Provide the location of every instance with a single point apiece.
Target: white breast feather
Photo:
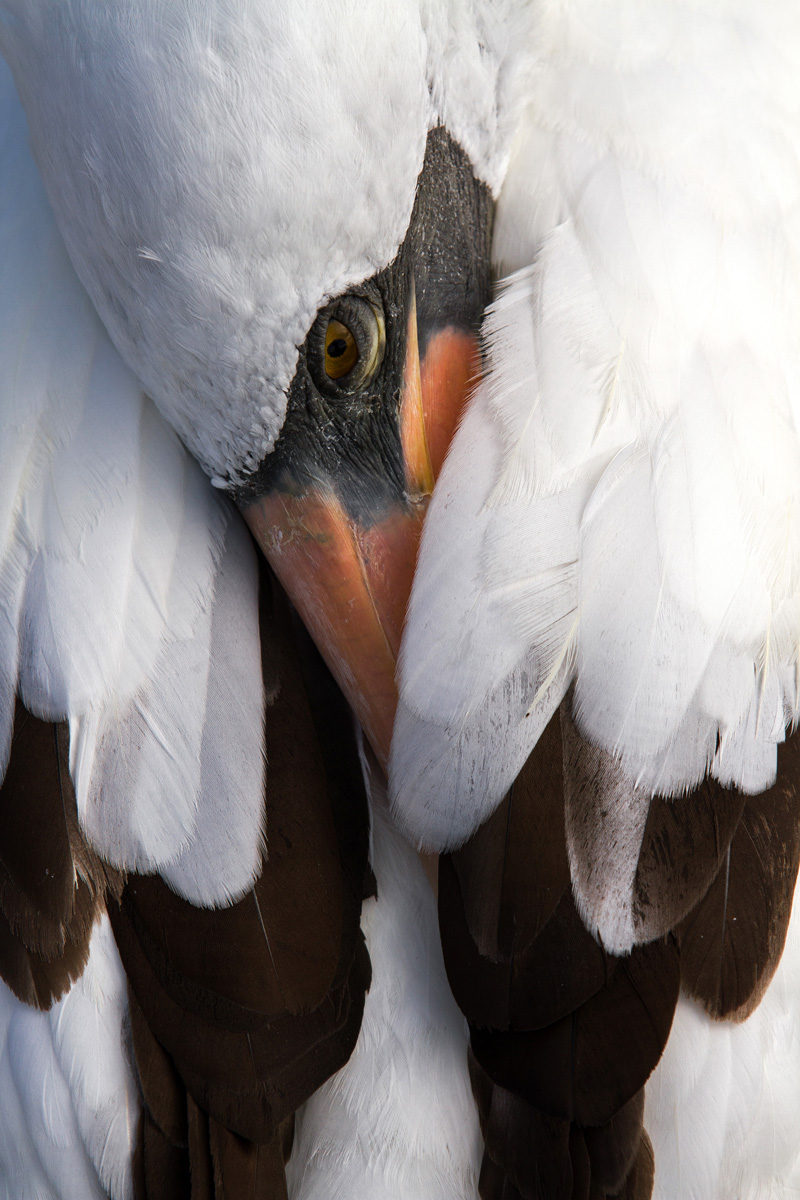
(721, 1106)
(398, 1122)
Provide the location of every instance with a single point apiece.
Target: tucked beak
(350, 581)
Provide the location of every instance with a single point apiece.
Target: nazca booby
(573, 558)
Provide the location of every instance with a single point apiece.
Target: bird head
(282, 214)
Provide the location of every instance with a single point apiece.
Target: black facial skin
(350, 437)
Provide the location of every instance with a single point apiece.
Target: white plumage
(637, 431)
(721, 1106)
(113, 554)
(69, 1100)
(617, 513)
(398, 1122)
(183, 215)
(128, 586)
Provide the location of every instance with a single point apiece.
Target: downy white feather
(721, 1106)
(70, 1102)
(398, 1121)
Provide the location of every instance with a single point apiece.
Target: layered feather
(172, 150)
(636, 437)
(721, 1107)
(52, 884)
(70, 1102)
(397, 1122)
(128, 591)
(239, 1014)
(563, 1034)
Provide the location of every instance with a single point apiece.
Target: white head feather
(219, 171)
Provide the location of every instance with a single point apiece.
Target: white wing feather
(643, 400)
(128, 588)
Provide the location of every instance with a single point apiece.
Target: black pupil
(337, 348)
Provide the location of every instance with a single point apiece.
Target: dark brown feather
(212, 1164)
(613, 1147)
(639, 1184)
(528, 960)
(563, 1034)
(556, 973)
(581, 1166)
(528, 1149)
(35, 852)
(52, 885)
(163, 1090)
(255, 1005)
(586, 1066)
(36, 980)
(201, 1165)
(542, 1158)
(685, 841)
(660, 856)
(161, 1169)
(277, 950)
(505, 903)
(732, 942)
(137, 1163)
(242, 1169)
(250, 1079)
(494, 1184)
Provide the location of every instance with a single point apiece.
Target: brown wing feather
(581, 1166)
(163, 1090)
(505, 903)
(685, 841)
(613, 1147)
(656, 858)
(242, 1169)
(201, 1164)
(52, 885)
(563, 1034)
(160, 1168)
(587, 1065)
(639, 1184)
(732, 942)
(556, 973)
(250, 1008)
(526, 1150)
(35, 851)
(505, 966)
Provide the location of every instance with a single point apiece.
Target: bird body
(599, 667)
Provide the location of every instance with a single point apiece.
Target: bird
(243, 223)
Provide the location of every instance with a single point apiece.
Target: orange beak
(351, 583)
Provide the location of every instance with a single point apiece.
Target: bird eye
(341, 351)
(346, 345)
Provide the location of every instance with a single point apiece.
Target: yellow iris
(341, 351)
